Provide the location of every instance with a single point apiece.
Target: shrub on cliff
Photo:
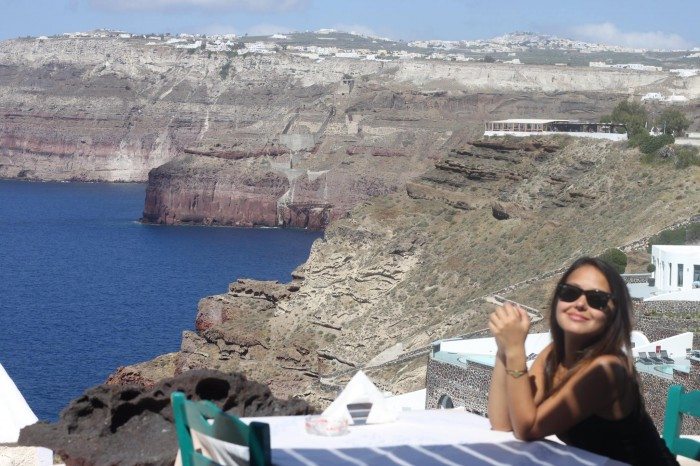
(687, 234)
(616, 258)
(686, 156)
(225, 70)
(649, 144)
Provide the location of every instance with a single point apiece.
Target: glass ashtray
(318, 425)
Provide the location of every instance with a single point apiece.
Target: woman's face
(578, 318)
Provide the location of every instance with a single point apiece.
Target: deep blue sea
(85, 288)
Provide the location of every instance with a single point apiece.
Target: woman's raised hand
(509, 325)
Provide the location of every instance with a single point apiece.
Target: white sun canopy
(15, 413)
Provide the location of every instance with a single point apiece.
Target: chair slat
(206, 418)
(690, 403)
(679, 403)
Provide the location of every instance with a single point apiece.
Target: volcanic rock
(132, 425)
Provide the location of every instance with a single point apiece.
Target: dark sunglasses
(595, 299)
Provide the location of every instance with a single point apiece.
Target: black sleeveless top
(632, 439)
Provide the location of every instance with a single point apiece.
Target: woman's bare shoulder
(609, 361)
(608, 369)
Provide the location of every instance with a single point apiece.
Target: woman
(583, 386)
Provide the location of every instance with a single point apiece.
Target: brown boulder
(499, 211)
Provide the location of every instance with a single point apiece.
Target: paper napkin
(361, 390)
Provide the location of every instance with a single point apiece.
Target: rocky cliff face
(412, 267)
(264, 140)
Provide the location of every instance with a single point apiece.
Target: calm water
(84, 288)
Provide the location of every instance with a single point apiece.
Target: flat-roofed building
(535, 126)
(677, 268)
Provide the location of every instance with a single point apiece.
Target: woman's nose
(581, 302)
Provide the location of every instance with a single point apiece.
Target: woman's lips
(577, 317)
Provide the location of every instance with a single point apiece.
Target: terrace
(459, 370)
(534, 127)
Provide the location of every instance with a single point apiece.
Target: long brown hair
(615, 339)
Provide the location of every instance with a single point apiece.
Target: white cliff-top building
(677, 269)
(625, 66)
(673, 98)
(535, 127)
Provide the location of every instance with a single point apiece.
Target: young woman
(582, 387)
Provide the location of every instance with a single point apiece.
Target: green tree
(616, 258)
(672, 121)
(692, 233)
(672, 236)
(632, 114)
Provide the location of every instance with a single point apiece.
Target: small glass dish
(318, 425)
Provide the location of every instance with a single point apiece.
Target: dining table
(418, 438)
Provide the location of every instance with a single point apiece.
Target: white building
(652, 96)
(677, 267)
(483, 350)
(672, 99)
(624, 66)
(686, 73)
(194, 45)
(537, 127)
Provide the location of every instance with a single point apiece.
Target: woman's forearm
(498, 401)
(521, 403)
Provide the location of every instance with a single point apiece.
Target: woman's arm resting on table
(498, 395)
(591, 390)
(498, 400)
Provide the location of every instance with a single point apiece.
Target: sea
(86, 288)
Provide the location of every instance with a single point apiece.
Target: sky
(671, 24)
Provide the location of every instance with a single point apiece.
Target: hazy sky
(650, 24)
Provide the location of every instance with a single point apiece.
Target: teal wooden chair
(678, 404)
(206, 418)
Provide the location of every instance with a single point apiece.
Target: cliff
(265, 139)
(412, 267)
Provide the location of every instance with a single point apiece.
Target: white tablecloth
(433, 437)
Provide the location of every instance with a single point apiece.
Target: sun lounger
(666, 359)
(644, 360)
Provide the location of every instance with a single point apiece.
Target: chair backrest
(642, 355)
(664, 353)
(678, 404)
(206, 418)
